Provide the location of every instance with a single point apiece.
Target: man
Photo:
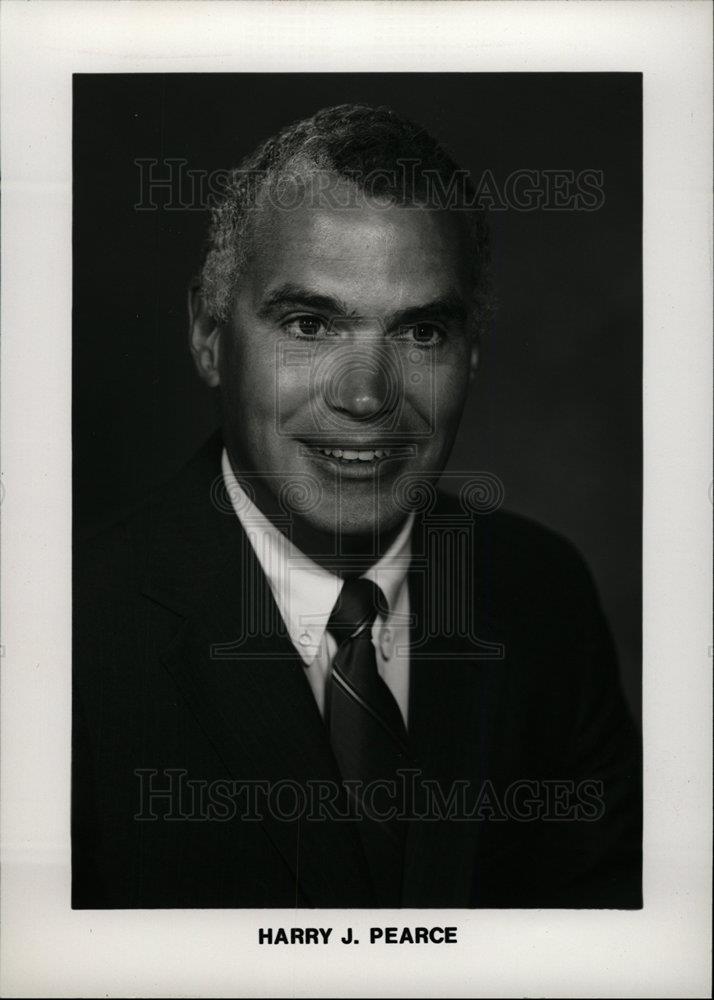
(303, 676)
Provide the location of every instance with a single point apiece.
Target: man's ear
(475, 355)
(204, 336)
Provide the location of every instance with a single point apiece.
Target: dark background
(555, 410)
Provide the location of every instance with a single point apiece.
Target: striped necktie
(367, 733)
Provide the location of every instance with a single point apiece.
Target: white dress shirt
(305, 594)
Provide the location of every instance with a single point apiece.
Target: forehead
(372, 258)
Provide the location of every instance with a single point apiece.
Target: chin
(354, 524)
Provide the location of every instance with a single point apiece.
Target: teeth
(366, 455)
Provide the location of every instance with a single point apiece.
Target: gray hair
(374, 148)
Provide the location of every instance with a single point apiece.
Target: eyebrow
(447, 308)
(303, 298)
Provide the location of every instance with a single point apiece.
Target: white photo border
(48, 949)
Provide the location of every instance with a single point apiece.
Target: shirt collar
(305, 592)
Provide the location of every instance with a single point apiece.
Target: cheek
(438, 395)
(295, 372)
(248, 374)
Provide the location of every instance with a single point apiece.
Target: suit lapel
(448, 697)
(244, 682)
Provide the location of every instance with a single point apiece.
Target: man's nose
(362, 383)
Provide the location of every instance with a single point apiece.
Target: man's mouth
(354, 455)
(359, 459)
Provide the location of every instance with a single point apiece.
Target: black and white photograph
(325, 664)
(356, 498)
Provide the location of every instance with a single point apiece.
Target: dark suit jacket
(163, 684)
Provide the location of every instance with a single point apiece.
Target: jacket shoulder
(114, 557)
(513, 538)
(116, 554)
(524, 567)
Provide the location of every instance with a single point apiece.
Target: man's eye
(423, 334)
(306, 327)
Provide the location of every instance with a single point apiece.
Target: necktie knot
(359, 603)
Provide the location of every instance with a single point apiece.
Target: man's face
(346, 361)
